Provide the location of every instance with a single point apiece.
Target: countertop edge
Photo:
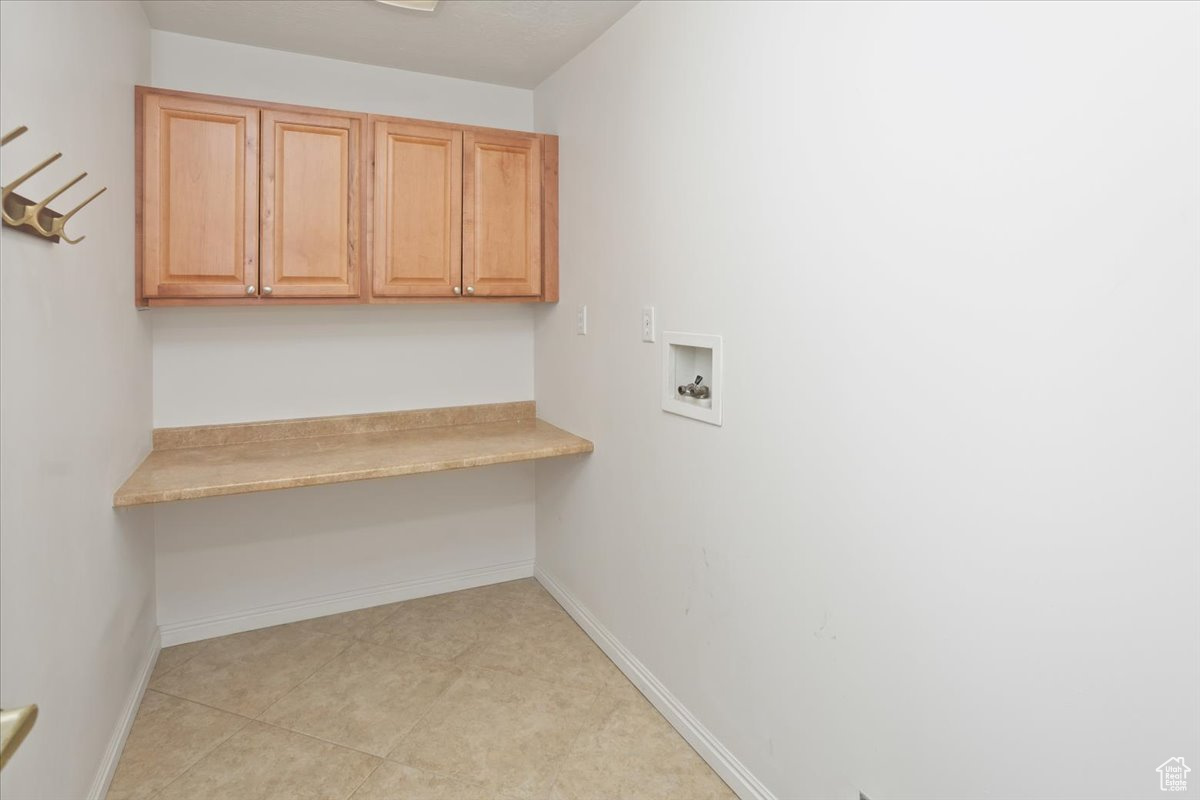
(579, 446)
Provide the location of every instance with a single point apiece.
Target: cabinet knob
(250, 289)
(470, 290)
(457, 290)
(266, 290)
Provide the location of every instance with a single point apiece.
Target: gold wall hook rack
(23, 214)
(15, 724)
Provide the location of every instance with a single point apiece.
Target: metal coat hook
(23, 214)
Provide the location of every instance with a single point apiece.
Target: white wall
(229, 564)
(301, 553)
(206, 65)
(76, 578)
(237, 364)
(945, 544)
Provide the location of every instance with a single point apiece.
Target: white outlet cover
(581, 320)
(647, 323)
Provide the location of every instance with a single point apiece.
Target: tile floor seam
(200, 703)
(351, 636)
(318, 739)
(574, 740)
(183, 774)
(459, 669)
(537, 678)
(562, 759)
(155, 674)
(461, 674)
(406, 651)
(303, 681)
(306, 677)
(318, 668)
(349, 747)
(192, 766)
(245, 721)
(363, 782)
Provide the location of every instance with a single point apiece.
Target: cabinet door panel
(200, 198)
(312, 171)
(502, 226)
(416, 211)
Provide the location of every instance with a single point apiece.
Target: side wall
(77, 620)
(234, 563)
(945, 544)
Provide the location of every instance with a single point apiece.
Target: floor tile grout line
(461, 674)
(343, 745)
(566, 751)
(317, 669)
(245, 721)
(319, 739)
(201, 703)
(458, 668)
(167, 672)
(363, 782)
(465, 664)
(575, 740)
(244, 716)
(306, 679)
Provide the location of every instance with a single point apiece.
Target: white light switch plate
(581, 320)
(647, 323)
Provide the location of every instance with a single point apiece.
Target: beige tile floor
(485, 694)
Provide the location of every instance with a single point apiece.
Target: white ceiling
(510, 42)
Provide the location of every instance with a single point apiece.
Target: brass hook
(7, 190)
(56, 224)
(33, 212)
(14, 133)
(35, 217)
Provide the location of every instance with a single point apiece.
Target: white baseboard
(112, 755)
(723, 762)
(308, 608)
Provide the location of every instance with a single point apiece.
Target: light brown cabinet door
(199, 198)
(502, 228)
(416, 211)
(311, 215)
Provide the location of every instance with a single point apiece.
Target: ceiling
(509, 42)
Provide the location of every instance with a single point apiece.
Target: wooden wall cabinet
(502, 215)
(200, 198)
(311, 204)
(462, 213)
(242, 202)
(416, 211)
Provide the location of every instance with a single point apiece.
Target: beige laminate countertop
(209, 461)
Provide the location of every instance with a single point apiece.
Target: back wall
(235, 563)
